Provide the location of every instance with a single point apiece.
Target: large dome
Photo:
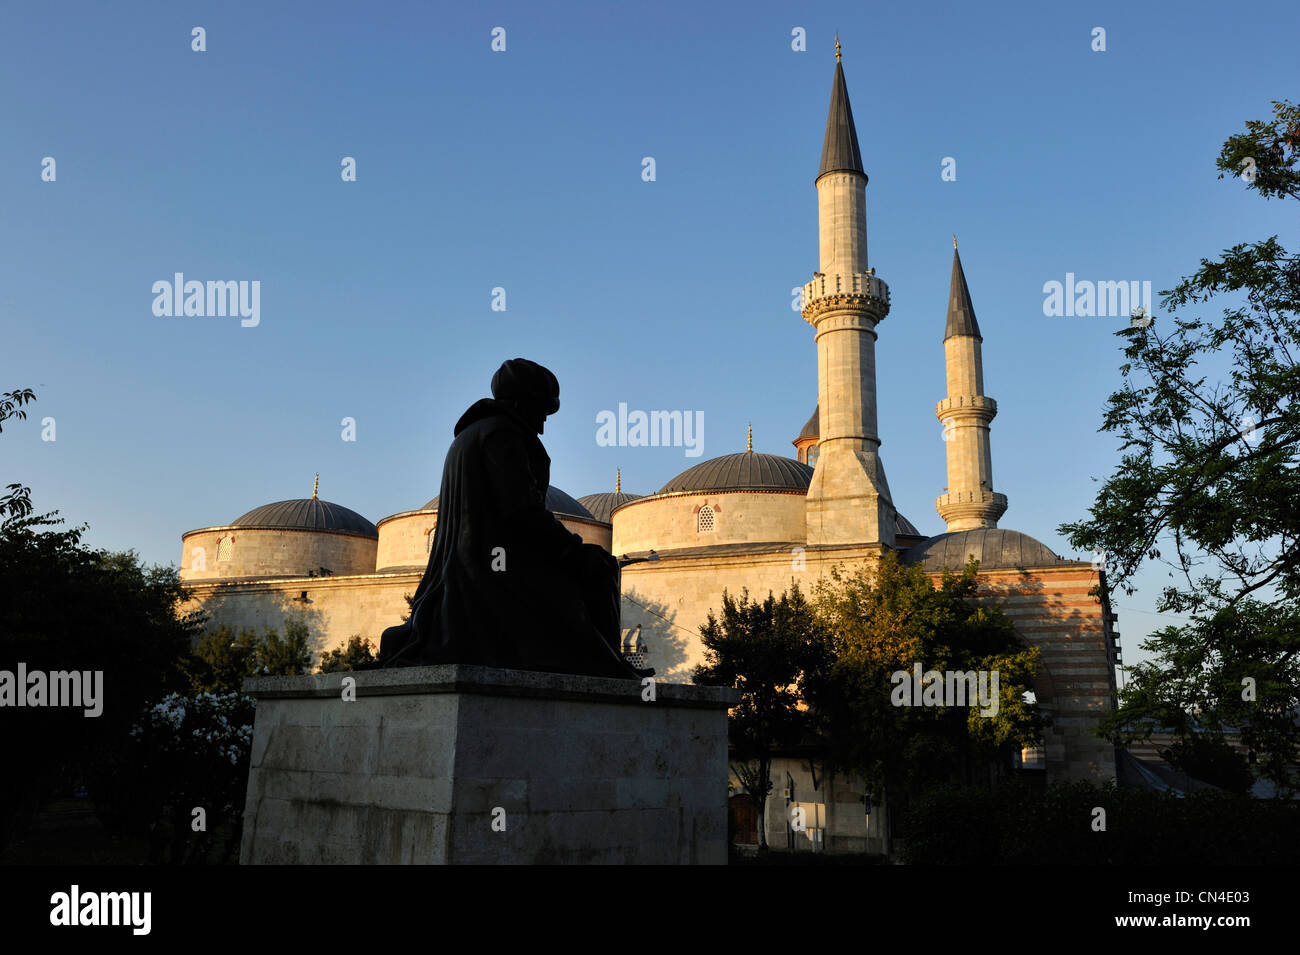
(751, 471)
(602, 505)
(307, 514)
(993, 547)
(557, 502)
(743, 471)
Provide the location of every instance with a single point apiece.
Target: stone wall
(334, 610)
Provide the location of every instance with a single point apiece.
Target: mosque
(760, 521)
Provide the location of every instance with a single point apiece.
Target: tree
(289, 655)
(359, 650)
(883, 622)
(764, 650)
(65, 607)
(17, 500)
(1208, 482)
(222, 659)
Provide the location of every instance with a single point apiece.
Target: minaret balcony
(967, 406)
(836, 290)
(970, 509)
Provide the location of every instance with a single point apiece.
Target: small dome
(602, 506)
(557, 502)
(905, 527)
(743, 471)
(307, 514)
(993, 547)
(813, 428)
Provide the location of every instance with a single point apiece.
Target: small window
(224, 547)
(705, 525)
(812, 456)
(428, 540)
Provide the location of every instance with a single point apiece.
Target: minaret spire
(840, 151)
(961, 312)
(848, 498)
(970, 502)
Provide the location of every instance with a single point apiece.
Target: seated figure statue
(507, 585)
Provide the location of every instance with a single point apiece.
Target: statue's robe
(507, 585)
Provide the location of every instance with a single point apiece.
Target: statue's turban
(527, 383)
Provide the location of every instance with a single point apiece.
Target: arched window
(428, 540)
(705, 525)
(224, 547)
(812, 456)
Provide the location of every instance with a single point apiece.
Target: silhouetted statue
(507, 585)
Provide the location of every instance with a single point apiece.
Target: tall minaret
(848, 500)
(971, 501)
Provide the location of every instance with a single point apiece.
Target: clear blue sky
(522, 170)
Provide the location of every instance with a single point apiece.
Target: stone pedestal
(458, 764)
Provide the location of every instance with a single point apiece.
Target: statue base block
(472, 765)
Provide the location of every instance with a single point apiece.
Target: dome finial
(315, 486)
(837, 48)
(618, 481)
(749, 440)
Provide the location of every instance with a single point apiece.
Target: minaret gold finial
(749, 440)
(315, 487)
(837, 48)
(954, 243)
(618, 481)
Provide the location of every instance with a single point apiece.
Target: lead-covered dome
(813, 428)
(307, 514)
(993, 547)
(743, 471)
(602, 505)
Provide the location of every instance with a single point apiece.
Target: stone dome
(602, 506)
(993, 547)
(743, 471)
(307, 514)
(557, 502)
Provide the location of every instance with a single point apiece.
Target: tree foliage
(357, 652)
(17, 499)
(223, 658)
(765, 650)
(884, 622)
(66, 607)
(1209, 431)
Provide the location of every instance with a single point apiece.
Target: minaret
(971, 501)
(848, 500)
